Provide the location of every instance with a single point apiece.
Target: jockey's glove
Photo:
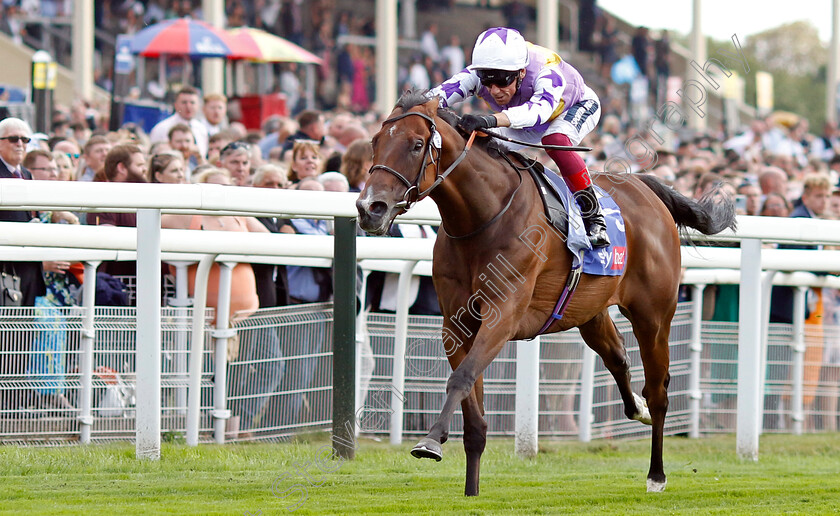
(470, 123)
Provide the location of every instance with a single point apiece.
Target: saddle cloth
(563, 213)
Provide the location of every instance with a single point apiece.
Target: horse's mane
(412, 98)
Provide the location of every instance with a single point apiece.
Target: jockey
(540, 98)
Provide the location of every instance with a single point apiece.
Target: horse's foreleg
(475, 435)
(469, 368)
(429, 447)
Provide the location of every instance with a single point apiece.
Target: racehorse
(486, 207)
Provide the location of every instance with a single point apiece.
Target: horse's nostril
(378, 209)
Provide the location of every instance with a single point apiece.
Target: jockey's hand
(470, 123)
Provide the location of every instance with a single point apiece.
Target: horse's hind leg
(652, 329)
(603, 337)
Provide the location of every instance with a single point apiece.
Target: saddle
(555, 210)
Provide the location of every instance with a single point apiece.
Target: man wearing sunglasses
(14, 135)
(537, 98)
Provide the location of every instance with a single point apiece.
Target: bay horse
(486, 206)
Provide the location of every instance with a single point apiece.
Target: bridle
(433, 146)
(431, 156)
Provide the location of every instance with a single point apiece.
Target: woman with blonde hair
(305, 161)
(66, 172)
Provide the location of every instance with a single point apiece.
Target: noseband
(431, 156)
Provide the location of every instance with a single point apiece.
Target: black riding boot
(593, 219)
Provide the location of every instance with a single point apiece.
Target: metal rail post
(587, 394)
(749, 352)
(526, 418)
(197, 348)
(400, 338)
(221, 335)
(696, 349)
(344, 338)
(181, 302)
(797, 409)
(86, 362)
(148, 335)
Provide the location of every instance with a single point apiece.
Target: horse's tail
(709, 215)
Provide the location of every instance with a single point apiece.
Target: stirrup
(599, 239)
(596, 231)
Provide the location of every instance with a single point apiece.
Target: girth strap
(565, 297)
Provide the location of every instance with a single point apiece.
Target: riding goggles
(499, 78)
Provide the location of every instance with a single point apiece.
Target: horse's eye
(418, 145)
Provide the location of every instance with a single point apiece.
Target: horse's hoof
(654, 486)
(427, 449)
(642, 412)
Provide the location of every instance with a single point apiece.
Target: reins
(495, 217)
(433, 146)
(536, 145)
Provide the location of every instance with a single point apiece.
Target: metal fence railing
(280, 372)
(41, 378)
(279, 377)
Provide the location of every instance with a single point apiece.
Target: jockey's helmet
(500, 48)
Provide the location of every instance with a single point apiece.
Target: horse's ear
(431, 107)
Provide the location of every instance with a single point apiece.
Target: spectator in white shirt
(187, 107)
(453, 55)
(428, 43)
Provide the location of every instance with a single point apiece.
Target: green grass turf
(794, 475)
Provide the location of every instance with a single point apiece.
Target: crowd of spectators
(774, 167)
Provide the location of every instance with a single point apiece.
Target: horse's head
(406, 147)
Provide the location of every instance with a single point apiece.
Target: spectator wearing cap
(186, 112)
(61, 126)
